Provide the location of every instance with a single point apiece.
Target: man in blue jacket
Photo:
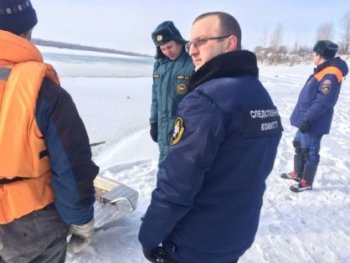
(171, 73)
(209, 194)
(313, 112)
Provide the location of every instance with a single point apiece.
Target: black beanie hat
(17, 16)
(166, 32)
(326, 48)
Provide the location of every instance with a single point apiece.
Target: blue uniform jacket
(68, 146)
(209, 193)
(170, 85)
(319, 96)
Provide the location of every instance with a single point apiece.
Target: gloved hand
(157, 255)
(304, 127)
(148, 253)
(154, 132)
(81, 236)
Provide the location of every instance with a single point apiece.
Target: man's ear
(231, 43)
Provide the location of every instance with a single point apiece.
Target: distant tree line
(276, 52)
(273, 53)
(57, 44)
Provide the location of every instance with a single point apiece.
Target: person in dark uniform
(313, 112)
(209, 194)
(172, 70)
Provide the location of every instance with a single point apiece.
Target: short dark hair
(228, 25)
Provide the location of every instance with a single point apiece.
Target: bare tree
(295, 49)
(277, 37)
(345, 40)
(325, 31)
(264, 36)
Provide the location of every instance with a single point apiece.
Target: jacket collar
(231, 64)
(15, 49)
(335, 62)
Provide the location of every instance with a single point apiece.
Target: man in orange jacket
(46, 171)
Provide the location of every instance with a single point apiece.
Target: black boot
(309, 174)
(297, 174)
(299, 164)
(307, 180)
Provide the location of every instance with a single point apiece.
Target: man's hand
(148, 253)
(157, 255)
(154, 132)
(304, 127)
(81, 236)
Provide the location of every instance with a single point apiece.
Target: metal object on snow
(113, 200)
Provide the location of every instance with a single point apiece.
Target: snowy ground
(310, 227)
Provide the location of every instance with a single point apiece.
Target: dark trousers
(39, 237)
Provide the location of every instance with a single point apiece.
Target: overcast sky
(127, 24)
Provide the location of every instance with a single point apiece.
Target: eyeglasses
(199, 41)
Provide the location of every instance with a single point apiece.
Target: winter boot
(292, 175)
(302, 186)
(307, 181)
(309, 174)
(297, 174)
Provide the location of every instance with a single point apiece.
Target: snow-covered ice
(313, 226)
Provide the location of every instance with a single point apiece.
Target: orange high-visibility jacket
(21, 141)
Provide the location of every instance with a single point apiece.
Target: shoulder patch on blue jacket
(179, 130)
(326, 86)
(260, 122)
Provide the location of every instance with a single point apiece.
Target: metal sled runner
(113, 200)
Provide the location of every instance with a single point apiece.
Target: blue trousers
(310, 146)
